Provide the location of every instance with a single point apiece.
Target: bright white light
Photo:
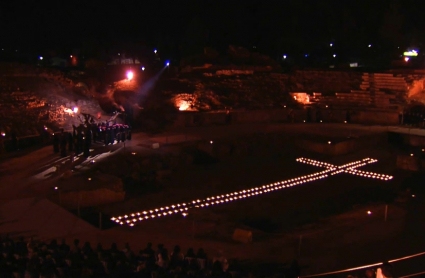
(75, 109)
(411, 154)
(412, 53)
(56, 188)
(406, 59)
(211, 142)
(3, 134)
(334, 55)
(331, 44)
(369, 45)
(155, 51)
(130, 75)
(41, 58)
(70, 56)
(284, 56)
(167, 64)
(369, 212)
(143, 68)
(329, 142)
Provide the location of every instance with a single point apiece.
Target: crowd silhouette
(32, 258)
(82, 137)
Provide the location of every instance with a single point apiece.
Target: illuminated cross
(330, 170)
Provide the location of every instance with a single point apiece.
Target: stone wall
(88, 198)
(283, 115)
(344, 147)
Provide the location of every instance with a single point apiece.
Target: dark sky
(269, 24)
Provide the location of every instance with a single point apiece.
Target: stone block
(242, 236)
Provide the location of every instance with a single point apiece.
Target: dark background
(185, 27)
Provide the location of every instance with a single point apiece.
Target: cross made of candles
(330, 170)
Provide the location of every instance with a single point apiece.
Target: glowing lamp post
(130, 75)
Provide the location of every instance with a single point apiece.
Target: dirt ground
(323, 224)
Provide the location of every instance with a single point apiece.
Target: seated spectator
(201, 254)
(64, 248)
(177, 257)
(370, 273)
(190, 253)
(99, 248)
(87, 249)
(387, 270)
(159, 251)
(148, 252)
(127, 250)
(76, 247)
(201, 258)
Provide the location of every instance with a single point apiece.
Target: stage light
(75, 109)
(412, 53)
(130, 75)
(329, 142)
(334, 55)
(211, 142)
(41, 58)
(155, 51)
(143, 68)
(3, 134)
(167, 63)
(411, 154)
(406, 59)
(331, 44)
(369, 212)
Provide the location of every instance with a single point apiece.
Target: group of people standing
(82, 136)
(412, 119)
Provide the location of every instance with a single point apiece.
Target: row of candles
(134, 218)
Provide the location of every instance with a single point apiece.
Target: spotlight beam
(330, 170)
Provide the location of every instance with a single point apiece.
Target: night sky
(271, 26)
